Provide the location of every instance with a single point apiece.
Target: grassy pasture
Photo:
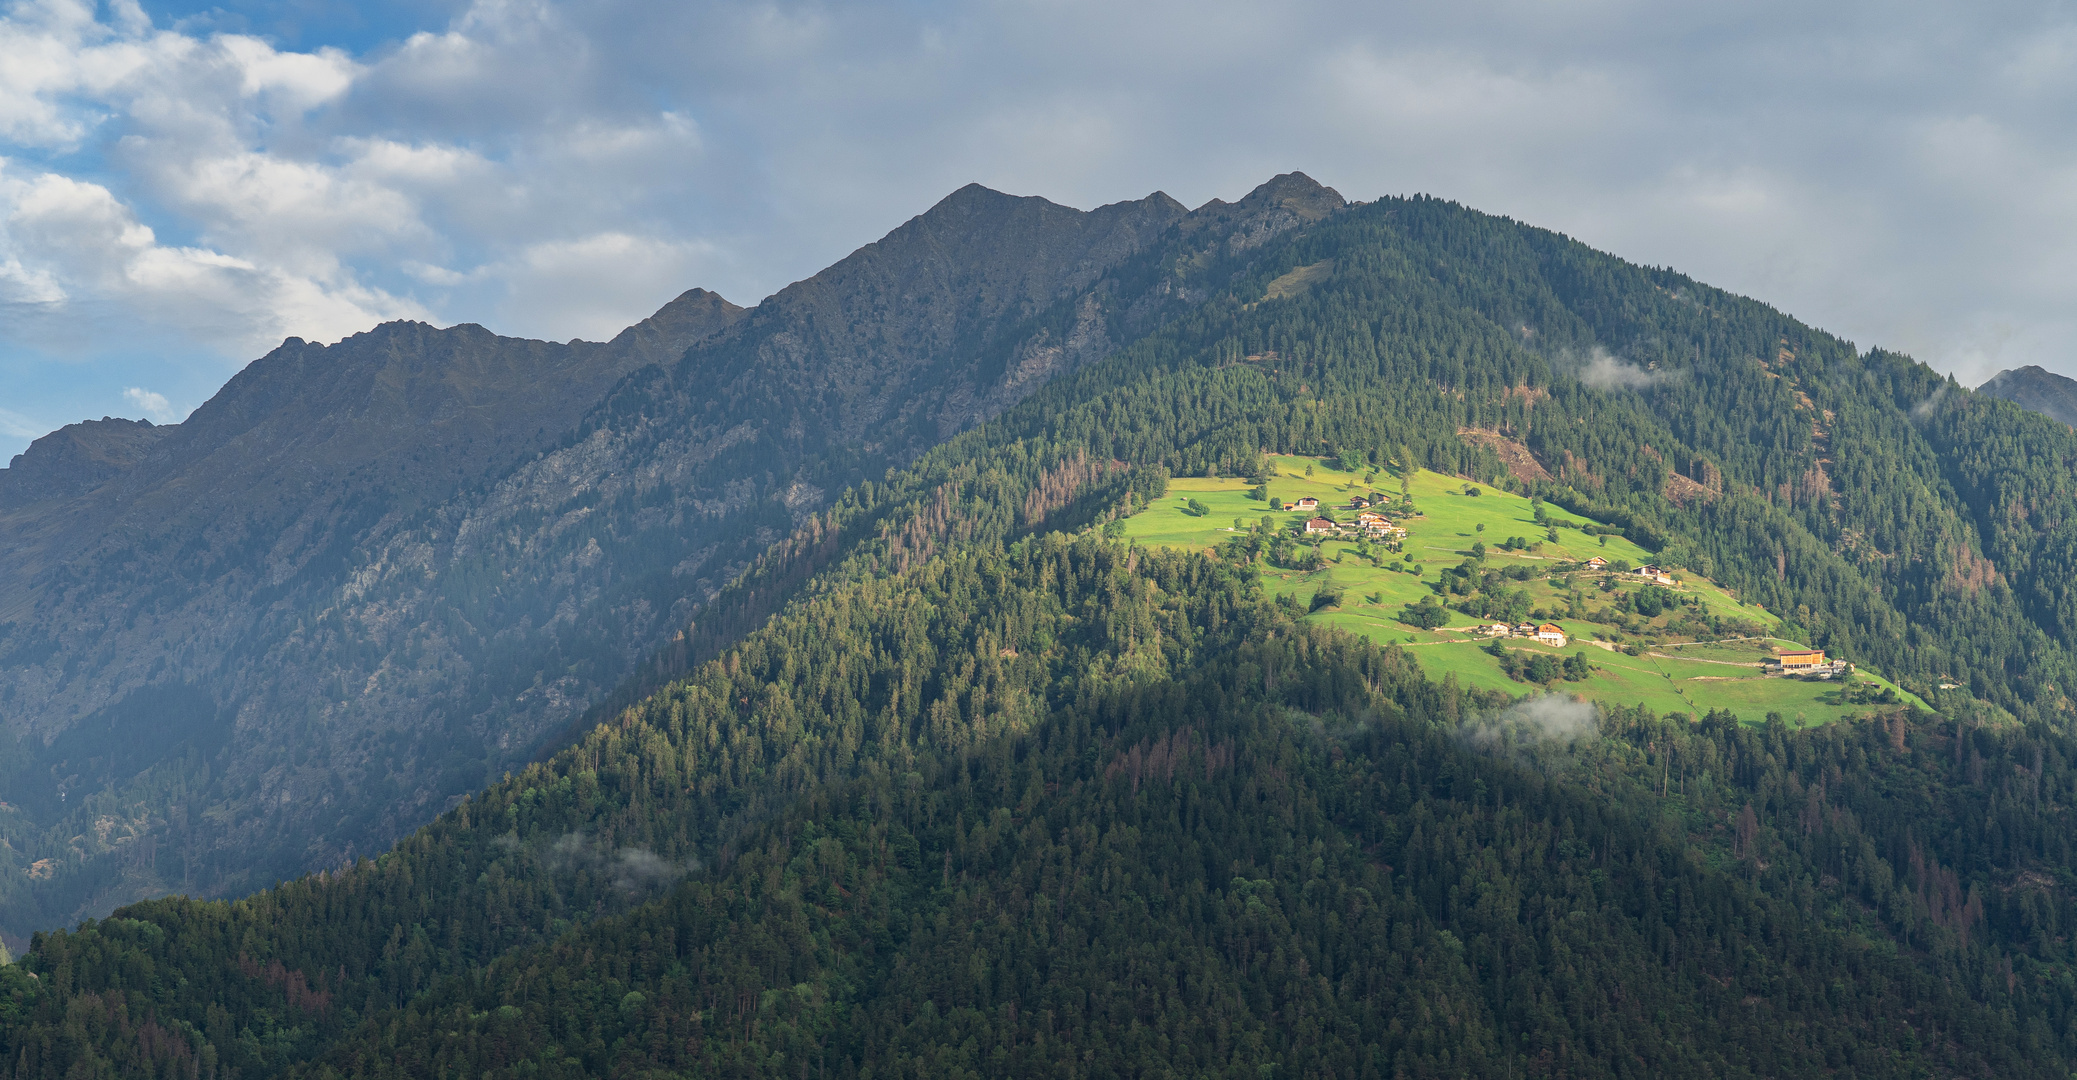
(1692, 678)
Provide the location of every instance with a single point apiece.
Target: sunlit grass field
(1668, 678)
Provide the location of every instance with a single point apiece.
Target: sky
(183, 185)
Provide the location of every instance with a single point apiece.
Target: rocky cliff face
(367, 577)
(2036, 389)
(310, 450)
(76, 459)
(148, 574)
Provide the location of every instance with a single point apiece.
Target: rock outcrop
(2036, 389)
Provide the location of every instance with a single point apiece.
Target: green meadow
(1668, 677)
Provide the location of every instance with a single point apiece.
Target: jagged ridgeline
(366, 579)
(950, 782)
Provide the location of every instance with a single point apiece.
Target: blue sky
(183, 185)
(358, 28)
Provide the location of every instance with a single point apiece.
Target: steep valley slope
(367, 578)
(993, 789)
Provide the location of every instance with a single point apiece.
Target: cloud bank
(630, 870)
(1603, 371)
(153, 405)
(174, 199)
(1535, 727)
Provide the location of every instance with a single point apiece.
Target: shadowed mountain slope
(367, 578)
(403, 414)
(2039, 390)
(76, 459)
(995, 792)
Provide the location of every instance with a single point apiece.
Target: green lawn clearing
(1592, 606)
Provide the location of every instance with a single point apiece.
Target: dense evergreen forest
(951, 783)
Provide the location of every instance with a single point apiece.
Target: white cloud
(435, 275)
(81, 240)
(302, 81)
(180, 113)
(1533, 724)
(579, 288)
(16, 426)
(1902, 176)
(154, 405)
(299, 214)
(22, 285)
(1605, 372)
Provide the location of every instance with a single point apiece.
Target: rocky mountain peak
(77, 458)
(1293, 192)
(1296, 192)
(2037, 389)
(383, 568)
(695, 314)
(1278, 206)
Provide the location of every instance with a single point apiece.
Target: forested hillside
(956, 779)
(366, 579)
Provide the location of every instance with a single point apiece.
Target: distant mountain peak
(2035, 389)
(400, 532)
(693, 315)
(1166, 204)
(76, 458)
(1298, 193)
(1306, 198)
(979, 199)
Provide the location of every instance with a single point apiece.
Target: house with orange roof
(1792, 660)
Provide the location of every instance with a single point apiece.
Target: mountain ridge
(980, 785)
(75, 459)
(2035, 388)
(398, 609)
(366, 426)
(997, 790)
